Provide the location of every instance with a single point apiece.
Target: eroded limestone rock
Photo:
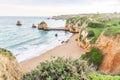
(19, 23)
(110, 46)
(83, 40)
(9, 67)
(43, 25)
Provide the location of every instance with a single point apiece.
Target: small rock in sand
(62, 42)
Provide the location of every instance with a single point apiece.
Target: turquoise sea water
(26, 42)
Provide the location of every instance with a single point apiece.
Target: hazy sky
(56, 7)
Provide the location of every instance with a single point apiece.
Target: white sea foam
(36, 50)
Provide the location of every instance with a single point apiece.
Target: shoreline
(69, 49)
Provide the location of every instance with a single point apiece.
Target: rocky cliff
(83, 40)
(110, 47)
(9, 67)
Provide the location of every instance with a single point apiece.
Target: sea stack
(19, 23)
(33, 26)
(43, 26)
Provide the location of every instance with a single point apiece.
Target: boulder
(19, 23)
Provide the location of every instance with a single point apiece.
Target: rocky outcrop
(9, 67)
(33, 26)
(43, 26)
(110, 47)
(83, 40)
(72, 27)
(19, 23)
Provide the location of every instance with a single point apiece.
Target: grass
(112, 30)
(97, 32)
(113, 21)
(98, 76)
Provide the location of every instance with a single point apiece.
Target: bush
(114, 24)
(91, 33)
(119, 23)
(96, 25)
(5, 52)
(60, 69)
(94, 57)
(68, 21)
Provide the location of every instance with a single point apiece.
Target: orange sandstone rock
(110, 46)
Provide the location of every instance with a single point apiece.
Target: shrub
(5, 52)
(91, 33)
(60, 69)
(94, 57)
(96, 25)
(68, 21)
(114, 24)
(119, 23)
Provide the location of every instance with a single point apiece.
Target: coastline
(69, 49)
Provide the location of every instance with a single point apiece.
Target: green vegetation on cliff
(98, 23)
(113, 22)
(5, 52)
(98, 76)
(112, 31)
(94, 57)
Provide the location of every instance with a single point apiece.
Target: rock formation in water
(43, 25)
(9, 67)
(19, 23)
(110, 46)
(33, 26)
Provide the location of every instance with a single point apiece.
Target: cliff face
(110, 46)
(9, 68)
(72, 28)
(83, 40)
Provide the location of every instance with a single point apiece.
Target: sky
(56, 7)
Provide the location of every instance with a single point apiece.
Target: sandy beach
(69, 49)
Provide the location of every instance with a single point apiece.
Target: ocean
(26, 42)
